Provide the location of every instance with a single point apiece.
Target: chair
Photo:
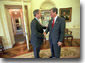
(68, 34)
(1, 46)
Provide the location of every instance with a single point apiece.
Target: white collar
(55, 18)
(37, 19)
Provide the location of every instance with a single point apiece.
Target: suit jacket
(36, 33)
(66, 18)
(57, 32)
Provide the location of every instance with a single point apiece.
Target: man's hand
(44, 34)
(59, 43)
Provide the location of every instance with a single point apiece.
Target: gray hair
(36, 12)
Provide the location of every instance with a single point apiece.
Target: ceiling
(15, 0)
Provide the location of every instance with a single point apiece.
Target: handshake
(44, 34)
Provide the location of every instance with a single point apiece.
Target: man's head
(37, 13)
(64, 13)
(53, 12)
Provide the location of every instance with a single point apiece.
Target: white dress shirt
(55, 19)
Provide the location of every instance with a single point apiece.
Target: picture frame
(66, 13)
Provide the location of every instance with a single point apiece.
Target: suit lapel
(37, 22)
(51, 24)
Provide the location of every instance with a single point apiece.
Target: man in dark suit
(56, 28)
(37, 35)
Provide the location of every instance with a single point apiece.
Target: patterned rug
(66, 52)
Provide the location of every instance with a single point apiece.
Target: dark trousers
(55, 50)
(36, 50)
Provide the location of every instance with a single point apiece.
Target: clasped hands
(44, 34)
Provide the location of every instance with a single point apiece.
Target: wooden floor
(19, 37)
(21, 48)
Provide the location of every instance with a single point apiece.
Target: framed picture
(66, 13)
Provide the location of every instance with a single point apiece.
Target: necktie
(53, 23)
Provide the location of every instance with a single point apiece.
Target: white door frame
(12, 38)
(25, 23)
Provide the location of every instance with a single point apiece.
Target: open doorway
(17, 25)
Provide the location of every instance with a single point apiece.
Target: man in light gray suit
(56, 28)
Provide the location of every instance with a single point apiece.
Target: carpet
(66, 52)
(19, 38)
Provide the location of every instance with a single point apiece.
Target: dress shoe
(51, 57)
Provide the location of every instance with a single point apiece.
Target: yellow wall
(1, 29)
(75, 4)
(1, 25)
